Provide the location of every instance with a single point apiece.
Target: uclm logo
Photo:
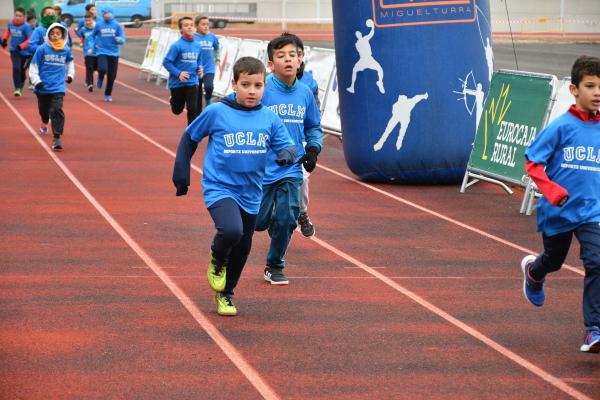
(389, 13)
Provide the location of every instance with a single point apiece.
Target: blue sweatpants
(233, 240)
(279, 210)
(18, 72)
(555, 252)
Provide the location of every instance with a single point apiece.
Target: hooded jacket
(105, 33)
(50, 66)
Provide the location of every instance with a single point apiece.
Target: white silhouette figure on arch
(401, 111)
(366, 60)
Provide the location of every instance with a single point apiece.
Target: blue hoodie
(297, 108)
(236, 154)
(185, 55)
(105, 32)
(51, 67)
(209, 44)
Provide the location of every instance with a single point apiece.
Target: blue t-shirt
(81, 25)
(570, 150)
(88, 41)
(298, 110)
(18, 34)
(36, 39)
(236, 155)
(209, 44)
(52, 66)
(104, 38)
(183, 55)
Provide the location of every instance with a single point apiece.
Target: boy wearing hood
(240, 134)
(108, 35)
(51, 66)
(18, 32)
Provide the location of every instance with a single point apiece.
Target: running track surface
(408, 292)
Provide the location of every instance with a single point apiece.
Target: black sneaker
(90, 88)
(275, 276)
(306, 227)
(57, 144)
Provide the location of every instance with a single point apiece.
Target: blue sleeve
(169, 60)
(78, 29)
(199, 128)
(37, 57)
(69, 55)
(313, 133)
(544, 145)
(183, 160)
(281, 142)
(28, 30)
(216, 43)
(34, 41)
(121, 33)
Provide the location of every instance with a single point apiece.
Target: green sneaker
(216, 281)
(225, 305)
(18, 92)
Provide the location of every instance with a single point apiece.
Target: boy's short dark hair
(89, 6)
(88, 15)
(278, 43)
(20, 9)
(199, 18)
(45, 9)
(584, 65)
(297, 40)
(248, 65)
(30, 17)
(180, 21)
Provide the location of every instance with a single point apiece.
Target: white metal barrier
(319, 61)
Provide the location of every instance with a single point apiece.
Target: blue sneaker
(108, 99)
(43, 129)
(99, 83)
(591, 340)
(532, 289)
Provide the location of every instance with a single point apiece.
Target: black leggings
(108, 65)
(207, 81)
(185, 96)
(91, 65)
(233, 241)
(50, 106)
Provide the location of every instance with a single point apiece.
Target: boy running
(564, 162)
(210, 54)
(52, 65)
(18, 32)
(296, 106)
(108, 35)
(240, 131)
(184, 63)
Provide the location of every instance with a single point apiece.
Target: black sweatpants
(18, 70)
(206, 85)
(108, 65)
(185, 96)
(91, 65)
(555, 252)
(233, 241)
(50, 107)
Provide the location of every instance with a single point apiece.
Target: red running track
(408, 292)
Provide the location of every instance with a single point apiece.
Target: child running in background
(294, 103)
(18, 33)
(38, 37)
(52, 65)
(89, 55)
(108, 35)
(89, 9)
(210, 54)
(184, 63)
(240, 131)
(306, 226)
(564, 162)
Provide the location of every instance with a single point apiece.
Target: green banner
(37, 5)
(513, 114)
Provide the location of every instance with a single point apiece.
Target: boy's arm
(282, 144)
(34, 72)
(556, 194)
(70, 70)
(217, 50)
(169, 61)
(121, 34)
(181, 170)
(5, 38)
(313, 135)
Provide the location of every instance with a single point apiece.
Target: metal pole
(283, 15)
(318, 10)
(562, 16)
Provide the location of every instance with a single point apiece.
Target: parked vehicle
(124, 10)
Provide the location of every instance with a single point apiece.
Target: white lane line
(229, 349)
(426, 210)
(401, 289)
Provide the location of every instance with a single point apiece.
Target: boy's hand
(181, 190)
(200, 71)
(69, 79)
(90, 51)
(183, 76)
(309, 159)
(4, 43)
(39, 86)
(118, 39)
